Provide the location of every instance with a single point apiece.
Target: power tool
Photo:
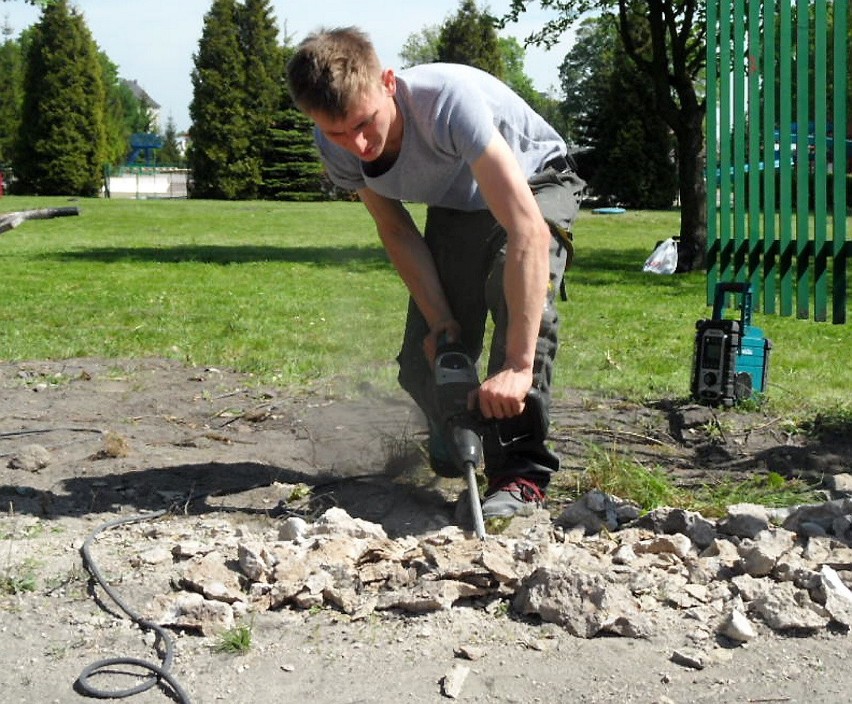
(731, 358)
(465, 431)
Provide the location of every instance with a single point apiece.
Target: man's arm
(413, 261)
(526, 276)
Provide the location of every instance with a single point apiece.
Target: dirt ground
(84, 442)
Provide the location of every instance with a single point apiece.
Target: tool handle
(736, 287)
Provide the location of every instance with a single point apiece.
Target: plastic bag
(663, 259)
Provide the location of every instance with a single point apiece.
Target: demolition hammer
(465, 430)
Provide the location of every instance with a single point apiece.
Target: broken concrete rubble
(730, 576)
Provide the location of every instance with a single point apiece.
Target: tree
(469, 37)
(170, 152)
(124, 113)
(11, 92)
(629, 148)
(666, 40)
(61, 142)
(421, 47)
(221, 131)
(291, 166)
(264, 88)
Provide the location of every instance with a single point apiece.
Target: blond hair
(332, 68)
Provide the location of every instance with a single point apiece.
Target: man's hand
(503, 395)
(447, 328)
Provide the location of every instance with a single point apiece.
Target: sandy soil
(120, 439)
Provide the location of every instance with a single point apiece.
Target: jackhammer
(466, 430)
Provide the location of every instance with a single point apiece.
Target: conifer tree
(264, 89)
(219, 155)
(11, 90)
(470, 38)
(170, 154)
(292, 169)
(61, 142)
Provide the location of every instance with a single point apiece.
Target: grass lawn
(298, 293)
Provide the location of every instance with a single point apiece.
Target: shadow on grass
(599, 266)
(372, 257)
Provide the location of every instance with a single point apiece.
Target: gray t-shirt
(449, 112)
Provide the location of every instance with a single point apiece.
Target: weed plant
(235, 641)
(616, 473)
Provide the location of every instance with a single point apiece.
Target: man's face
(367, 128)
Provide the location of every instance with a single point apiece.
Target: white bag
(663, 259)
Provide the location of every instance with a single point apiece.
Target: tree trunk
(692, 249)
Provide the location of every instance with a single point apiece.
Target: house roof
(140, 93)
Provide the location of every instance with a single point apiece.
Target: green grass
(618, 474)
(235, 641)
(301, 293)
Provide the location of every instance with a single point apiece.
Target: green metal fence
(778, 152)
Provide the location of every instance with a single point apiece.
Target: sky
(153, 41)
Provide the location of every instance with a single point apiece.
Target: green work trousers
(469, 249)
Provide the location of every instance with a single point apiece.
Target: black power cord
(161, 672)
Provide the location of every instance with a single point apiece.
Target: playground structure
(777, 216)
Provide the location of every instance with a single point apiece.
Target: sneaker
(439, 454)
(511, 496)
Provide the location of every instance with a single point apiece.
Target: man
(460, 141)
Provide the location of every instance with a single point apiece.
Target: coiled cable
(161, 672)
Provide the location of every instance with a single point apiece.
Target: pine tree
(264, 89)
(292, 169)
(61, 142)
(221, 133)
(170, 154)
(11, 91)
(470, 38)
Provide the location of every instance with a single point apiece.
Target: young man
(499, 189)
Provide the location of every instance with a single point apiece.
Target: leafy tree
(421, 47)
(124, 113)
(549, 108)
(629, 148)
(469, 37)
(11, 92)
(666, 40)
(61, 142)
(221, 132)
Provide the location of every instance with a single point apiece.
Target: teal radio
(731, 359)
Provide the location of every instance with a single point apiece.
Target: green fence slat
(753, 125)
(820, 158)
(711, 130)
(785, 155)
(802, 160)
(770, 259)
(739, 78)
(840, 156)
(725, 124)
